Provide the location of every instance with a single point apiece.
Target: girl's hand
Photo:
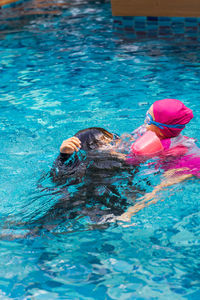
(70, 145)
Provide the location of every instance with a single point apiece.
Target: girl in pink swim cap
(168, 117)
(180, 158)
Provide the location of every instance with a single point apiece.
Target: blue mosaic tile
(152, 18)
(164, 23)
(191, 28)
(117, 18)
(176, 27)
(127, 28)
(190, 34)
(179, 36)
(141, 19)
(165, 29)
(140, 25)
(152, 32)
(152, 26)
(128, 22)
(190, 24)
(131, 35)
(127, 18)
(191, 20)
(119, 29)
(141, 34)
(152, 23)
(164, 19)
(178, 30)
(118, 22)
(192, 38)
(178, 19)
(163, 34)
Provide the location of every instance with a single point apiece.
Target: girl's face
(153, 127)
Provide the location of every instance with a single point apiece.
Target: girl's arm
(149, 198)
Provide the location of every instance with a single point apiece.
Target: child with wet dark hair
(99, 145)
(89, 166)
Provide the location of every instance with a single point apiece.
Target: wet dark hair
(71, 165)
(93, 137)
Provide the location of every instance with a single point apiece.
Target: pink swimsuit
(181, 152)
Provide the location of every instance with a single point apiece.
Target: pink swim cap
(171, 112)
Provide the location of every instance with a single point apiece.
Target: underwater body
(63, 70)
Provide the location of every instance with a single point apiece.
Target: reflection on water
(63, 69)
(13, 19)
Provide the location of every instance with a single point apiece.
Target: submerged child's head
(168, 117)
(94, 137)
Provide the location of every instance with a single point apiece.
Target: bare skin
(70, 145)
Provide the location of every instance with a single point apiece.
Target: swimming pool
(61, 71)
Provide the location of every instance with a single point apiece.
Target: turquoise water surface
(64, 69)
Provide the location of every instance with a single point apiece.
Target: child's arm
(62, 167)
(169, 180)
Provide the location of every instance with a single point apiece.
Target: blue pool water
(64, 69)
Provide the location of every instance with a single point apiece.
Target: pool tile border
(165, 27)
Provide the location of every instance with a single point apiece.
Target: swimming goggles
(149, 120)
